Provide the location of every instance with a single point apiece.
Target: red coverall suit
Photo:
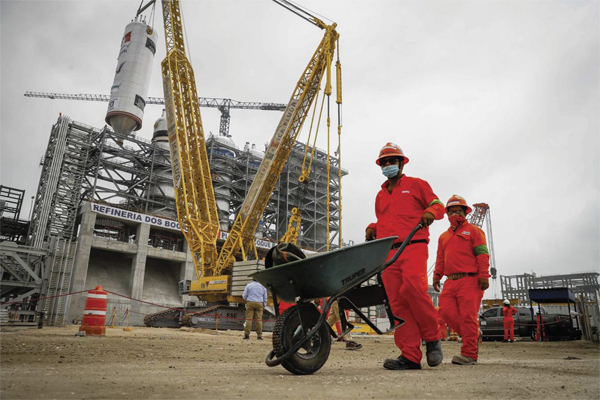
(462, 251)
(509, 322)
(540, 334)
(406, 279)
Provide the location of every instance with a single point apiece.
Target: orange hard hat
(391, 150)
(457, 200)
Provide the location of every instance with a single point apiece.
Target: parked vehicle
(558, 326)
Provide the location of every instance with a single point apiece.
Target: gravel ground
(146, 363)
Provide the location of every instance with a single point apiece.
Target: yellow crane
(241, 235)
(196, 207)
(194, 195)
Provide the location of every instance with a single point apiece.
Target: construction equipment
(295, 218)
(224, 105)
(241, 236)
(197, 213)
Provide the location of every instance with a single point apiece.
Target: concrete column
(80, 266)
(138, 266)
(187, 270)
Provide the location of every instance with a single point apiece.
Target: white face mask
(390, 171)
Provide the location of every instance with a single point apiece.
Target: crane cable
(338, 75)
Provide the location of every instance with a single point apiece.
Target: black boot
(434, 353)
(400, 363)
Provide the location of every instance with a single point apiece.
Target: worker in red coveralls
(509, 323)
(539, 333)
(401, 204)
(462, 257)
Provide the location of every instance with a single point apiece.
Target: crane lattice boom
(241, 235)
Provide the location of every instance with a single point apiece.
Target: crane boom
(242, 232)
(224, 105)
(194, 194)
(202, 101)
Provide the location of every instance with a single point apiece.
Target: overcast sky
(497, 101)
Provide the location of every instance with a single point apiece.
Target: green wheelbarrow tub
(326, 274)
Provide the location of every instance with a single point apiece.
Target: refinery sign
(160, 222)
(135, 217)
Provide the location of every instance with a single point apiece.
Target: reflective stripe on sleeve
(481, 249)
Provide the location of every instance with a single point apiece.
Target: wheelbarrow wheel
(288, 331)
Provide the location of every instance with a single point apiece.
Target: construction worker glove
(483, 283)
(370, 234)
(427, 218)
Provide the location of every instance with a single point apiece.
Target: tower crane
(224, 105)
(478, 217)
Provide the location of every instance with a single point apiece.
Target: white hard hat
(506, 302)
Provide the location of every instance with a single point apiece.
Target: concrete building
(101, 213)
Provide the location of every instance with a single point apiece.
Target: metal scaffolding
(232, 177)
(83, 163)
(584, 284)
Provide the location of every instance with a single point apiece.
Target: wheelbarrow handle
(403, 246)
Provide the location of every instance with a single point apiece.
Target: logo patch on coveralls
(465, 233)
(406, 191)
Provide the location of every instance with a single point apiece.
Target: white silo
(222, 152)
(132, 77)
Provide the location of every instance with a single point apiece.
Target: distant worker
(509, 323)
(539, 333)
(400, 205)
(255, 295)
(332, 319)
(463, 257)
(442, 326)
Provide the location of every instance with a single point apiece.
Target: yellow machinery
(196, 206)
(194, 195)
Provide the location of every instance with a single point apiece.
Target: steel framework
(83, 163)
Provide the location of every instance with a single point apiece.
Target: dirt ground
(146, 363)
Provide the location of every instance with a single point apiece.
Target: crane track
(217, 316)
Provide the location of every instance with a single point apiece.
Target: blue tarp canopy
(554, 295)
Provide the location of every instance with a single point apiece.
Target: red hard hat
(457, 200)
(391, 150)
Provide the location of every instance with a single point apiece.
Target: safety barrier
(93, 322)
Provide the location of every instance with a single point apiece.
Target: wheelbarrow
(301, 338)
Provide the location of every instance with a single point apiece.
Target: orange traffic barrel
(93, 321)
(453, 336)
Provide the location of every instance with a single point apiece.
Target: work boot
(434, 353)
(400, 363)
(246, 337)
(352, 345)
(463, 360)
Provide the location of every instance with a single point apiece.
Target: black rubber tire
(532, 333)
(288, 331)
